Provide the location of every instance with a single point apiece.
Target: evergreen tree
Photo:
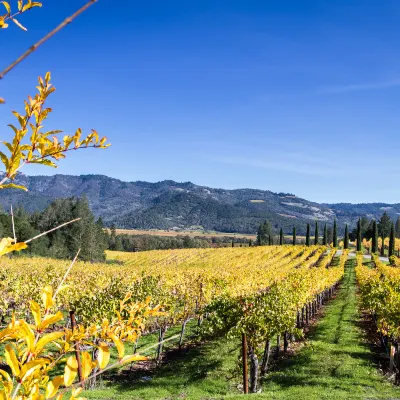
(113, 236)
(397, 227)
(346, 237)
(250, 243)
(383, 244)
(335, 243)
(374, 248)
(325, 237)
(392, 241)
(263, 233)
(385, 224)
(359, 240)
(294, 236)
(233, 243)
(259, 235)
(316, 238)
(308, 235)
(281, 238)
(270, 240)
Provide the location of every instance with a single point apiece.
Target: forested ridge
(173, 205)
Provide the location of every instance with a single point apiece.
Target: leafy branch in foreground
(42, 147)
(9, 15)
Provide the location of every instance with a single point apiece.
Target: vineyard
(254, 296)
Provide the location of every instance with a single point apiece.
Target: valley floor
(335, 362)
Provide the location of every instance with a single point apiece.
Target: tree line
(87, 234)
(368, 229)
(145, 242)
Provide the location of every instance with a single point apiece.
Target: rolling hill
(173, 205)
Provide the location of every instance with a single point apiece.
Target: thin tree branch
(66, 274)
(13, 224)
(51, 230)
(45, 38)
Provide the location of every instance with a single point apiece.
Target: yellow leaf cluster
(32, 145)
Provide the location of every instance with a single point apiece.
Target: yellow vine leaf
(28, 336)
(13, 186)
(104, 355)
(71, 370)
(76, 392)
(53, 385)
(50, 319)
(28, 369)
(35, 309)
(8, 383)
(86, 364)
(7, 246)
(132, 358)
(3, 395)
(47, 297)
(7, 6)
(118, 344)
(12, 360)
(44, 340)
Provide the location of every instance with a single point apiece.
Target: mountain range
(172, 205)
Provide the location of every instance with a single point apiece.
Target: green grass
(335, 363)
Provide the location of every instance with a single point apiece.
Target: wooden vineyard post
(264, 364)
(77, 350)
(298, 323)
(307, 314)
(182, 333)
(391, 356)
(285, 342)
(244, 356)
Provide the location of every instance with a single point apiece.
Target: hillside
(171, 205)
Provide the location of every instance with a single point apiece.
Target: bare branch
(45, 38)
(13, 224)
(51, 230)
(66, 274)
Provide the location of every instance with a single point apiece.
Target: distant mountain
(173, 205)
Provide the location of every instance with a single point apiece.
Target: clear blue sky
(297, 96)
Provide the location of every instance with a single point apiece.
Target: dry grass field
(183, 233)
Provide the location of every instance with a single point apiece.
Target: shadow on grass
(197, 367)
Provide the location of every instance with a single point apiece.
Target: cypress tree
(250, 243)
(233, 243)
(397, 227)
(325, 238)
(374, 237)
(316, 239)
(334, 234)
(385, 224)
(359, 239)
(281, 240)
(346, 237)
(308, 235)
(294, 236)
(270, 240)
(383, 244)
(391, 240)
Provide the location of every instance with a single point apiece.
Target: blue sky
(296, 96)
